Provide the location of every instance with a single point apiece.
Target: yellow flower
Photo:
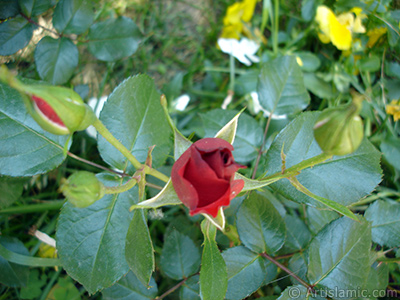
(338, 30)
(236, 14)
(394, 109)
(374, 35)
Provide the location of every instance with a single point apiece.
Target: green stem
(48, 287)
(232, 72)
(28, 260)
(122, 188)
(275, 27)
(224, 70)
(125, 152)
(117, 144)
(33, 208)
(279, 265)
(295, 170)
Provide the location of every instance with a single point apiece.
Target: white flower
(91, 131)
(257, 108)
(244, 50)
(181, 102)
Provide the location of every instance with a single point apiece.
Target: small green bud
(57, 110)
(339, 130)
(82, 189)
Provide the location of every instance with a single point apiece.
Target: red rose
(203, 176)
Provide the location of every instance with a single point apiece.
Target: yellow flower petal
(339, 34)
(248, 7)
(394, 109)
(232, 31)
(321, 17)
(233, 14)
(374, 35)
(358, 26)
(346, 19)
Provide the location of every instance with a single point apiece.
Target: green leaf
(248, 135)
(130, 287)
(339, 255)
(73, 16)
(140, 124)
(15, 34)
(318, 218)
(213, 274)
(25, 148)
(33, 288)
(64, 289)
(326, 202)
(167, 196)
(32, 8)
(12, 274)
(298, 292)
(11, 189)
(91, 240)
(114, 39)
(139, 252)
(310, 61)
(392, 69)
(180, 257)
(271, 271)
(370, 64)
(8, 9)
(56, 59)
(298, 265)
(385, 218)
(308, 8)
(297, 234)
(356, 174)
(246, 272)
(260, 226)
(390, 148)
(280, 88)
(376, 284)
(319, 87)
(190, 289)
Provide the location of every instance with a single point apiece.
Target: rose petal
(216, 163)
(208, 186)
(212, 144)
(183, 188)
(47, 110)
(213, 208)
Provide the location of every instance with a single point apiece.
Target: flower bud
(339, 130)
(82, 189)
(57, 110)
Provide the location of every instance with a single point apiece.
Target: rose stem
(122, 188)
(173, 288)
(117, 144)
(278, 264)
(122, 174)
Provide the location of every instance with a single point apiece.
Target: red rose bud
(203, 177)
(58, 110)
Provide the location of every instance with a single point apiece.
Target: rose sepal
(167, 196)
(219, 220)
